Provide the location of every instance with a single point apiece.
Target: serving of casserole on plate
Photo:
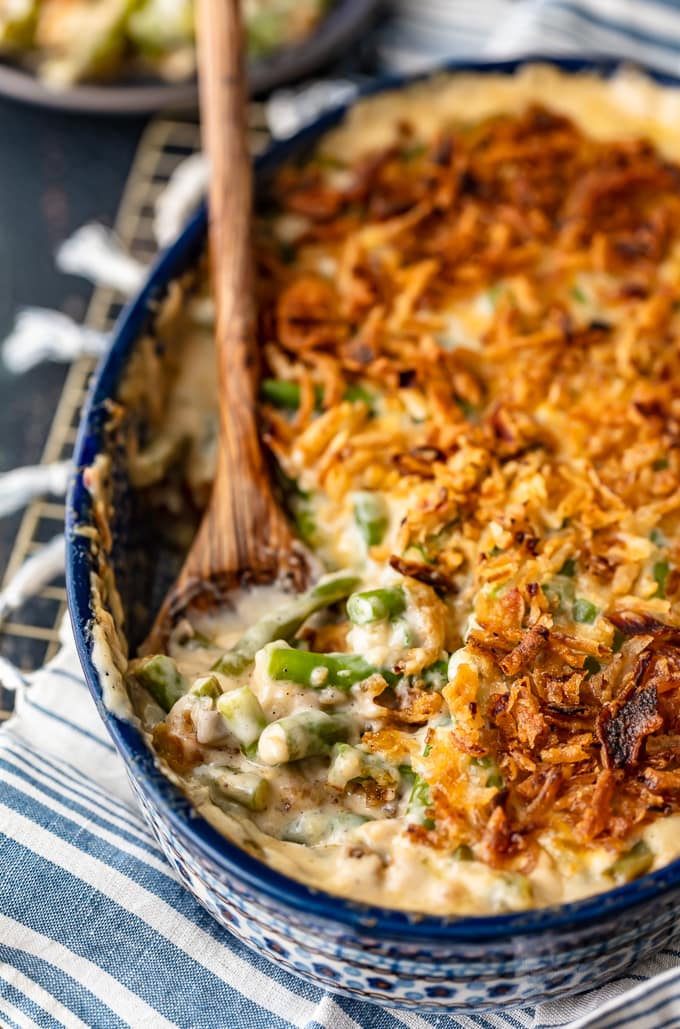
(70, 41)
(469, 321)
(123, 57)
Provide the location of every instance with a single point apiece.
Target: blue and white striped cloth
(425, 32)
(94, 929)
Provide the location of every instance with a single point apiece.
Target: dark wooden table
(57, 171)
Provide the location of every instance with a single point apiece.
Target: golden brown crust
(548, 450)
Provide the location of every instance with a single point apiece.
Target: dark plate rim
(338, 29)
(229, 859)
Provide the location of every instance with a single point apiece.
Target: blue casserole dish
(389, 957)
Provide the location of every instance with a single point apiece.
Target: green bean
(349, 763)
(493, 776)
(312, 827)
(437, 675)
(591, 665)
(376, 605)
(412, 152)
(304, 521)
(469, 410)
(660, 575)
(560, 592)
(265, 28)
(285, 394)
(463, 852)
(419, 802)
(618, 639)
(207, 686)
(281, 393)
(245, 788)
(584, 611)
(371, 516)
(159, 674)
(303, 734)
(634, 863)
(155, 28)
(17, 25)
(418, 553)
(357, 394)
(243, 713)
(306, 668)
(284, 623)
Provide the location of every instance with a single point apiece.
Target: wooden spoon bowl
(244, 537)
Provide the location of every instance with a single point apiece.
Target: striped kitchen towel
(426, 32)
(94, 928)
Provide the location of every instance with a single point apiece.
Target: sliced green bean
(371, 516)
(437, 675)
(245, 788)
(243, 713)
(634, 863)
(490, 771)
(320, 670)
(376, 605)
(312, 827)
(305, 522)
(349, 763)
(661, 569)
(284, 623)
(303, 734)
(584, 611)
(560, 592)
(207, 686)
(419, 802)
(284, 394)
(463, 852)
(159, 674)
(591, 665)
(358, 394)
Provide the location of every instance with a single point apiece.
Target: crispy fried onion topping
(482, 326)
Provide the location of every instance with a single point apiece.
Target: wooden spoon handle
(245, 531)
(244, 536)
(223, 118)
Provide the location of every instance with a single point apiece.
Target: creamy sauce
(374, 860)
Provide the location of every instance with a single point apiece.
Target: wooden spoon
(244, 536)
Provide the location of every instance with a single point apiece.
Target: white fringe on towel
(289, 110)
(37, 571)
(11, 678)
(43, 335)
(180, 198)
(97, 254)
(22, 484)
